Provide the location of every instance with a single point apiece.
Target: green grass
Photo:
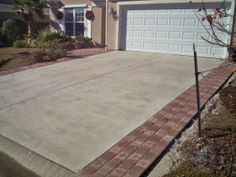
(11, 168)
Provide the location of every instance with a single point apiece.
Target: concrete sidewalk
(72, 112)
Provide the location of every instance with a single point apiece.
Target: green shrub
(85, 41)
(44, 44)
(12, 30)
(67, 45)
(48, 39)
(56, 54)
(21, 44)
(47, 55)
(46, 35)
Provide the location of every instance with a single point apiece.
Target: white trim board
(76, 5)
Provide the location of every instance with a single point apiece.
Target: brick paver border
(133, 155)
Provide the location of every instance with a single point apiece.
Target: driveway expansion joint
(133, 155)
(75, 83)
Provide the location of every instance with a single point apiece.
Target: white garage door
(168, 29)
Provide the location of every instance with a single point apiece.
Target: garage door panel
(190, 22)
(162, 22)
(168, 30)
(175, 35)
(162, 34)
(203, 50)
(147, 46)
(137, 33)
(176, 22)
(173, 48)
(149, 34)
(161, 47)
(138, 21)
(187, 49)
(217, 51)
(149, 22)
(188, 36)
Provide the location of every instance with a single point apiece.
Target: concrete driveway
(72, 112)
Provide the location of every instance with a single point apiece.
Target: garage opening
(168, 28)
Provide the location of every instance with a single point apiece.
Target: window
(69, 15)
(74, 21)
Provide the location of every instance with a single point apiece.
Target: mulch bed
(213, 155)
(20, 59)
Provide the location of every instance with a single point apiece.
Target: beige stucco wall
(112, 28)
(98, 25)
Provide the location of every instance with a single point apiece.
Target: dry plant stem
(216, 25)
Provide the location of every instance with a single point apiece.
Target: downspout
(106, 24)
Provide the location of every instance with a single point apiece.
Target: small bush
(46, 35)
(12, 30)
(47, 39)
(66, 39)
(9, 29)
(56, 54)
(48, 55)
(67, 45)
(21, 44)
(85, 41)
(44, 44)
(38, 55)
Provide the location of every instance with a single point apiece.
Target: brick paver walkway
(136, 152)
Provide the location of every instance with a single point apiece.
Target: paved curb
(33, 161)
(133, 155)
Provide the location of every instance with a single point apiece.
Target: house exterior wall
(98, 25)
(112, 28)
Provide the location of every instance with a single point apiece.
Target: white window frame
(86, 22)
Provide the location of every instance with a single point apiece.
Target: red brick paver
(133, 154)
